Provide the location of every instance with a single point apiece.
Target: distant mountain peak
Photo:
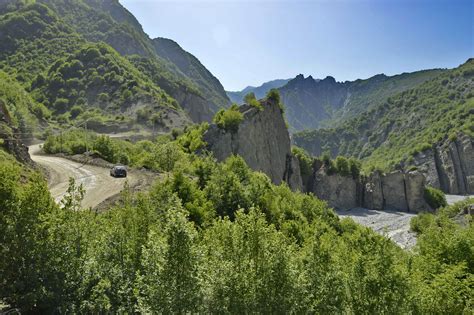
(260, 91)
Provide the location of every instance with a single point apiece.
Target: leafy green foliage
(229, 119)
(305, 161)
(191, 140)
(215, 238)
(251, 100)
(97, 76)
(435, 197)
(274, 96)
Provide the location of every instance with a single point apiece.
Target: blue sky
(249, 42)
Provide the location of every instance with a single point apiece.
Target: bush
(252, 101)
(421, 222)
(305, 161)
(435, 197)
(229, 119)
(274, 96)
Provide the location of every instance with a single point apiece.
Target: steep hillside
(313, 103)
(19, 116)
(71, 76)
(259, 91)
(389, 135)
(36, 34)
(96, 76)
(110, 22)
(208, 84)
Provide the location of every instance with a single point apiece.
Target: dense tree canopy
(216, 238)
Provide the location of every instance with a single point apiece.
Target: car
(118, 171)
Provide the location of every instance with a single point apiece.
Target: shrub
(252, 101)
(435, 197)
(273, 95)
(305, 161)
(76, 111)
(355, 167)
(229, 119)
(342, 166)
(421, 222)
(61, 104)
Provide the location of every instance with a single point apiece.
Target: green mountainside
(404, 124)
(313, 103)
(259, 91)
(132, 87)
(208, 84)
(110, 22)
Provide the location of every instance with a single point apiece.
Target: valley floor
(393, 224)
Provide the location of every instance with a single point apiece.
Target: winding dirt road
(97, 182)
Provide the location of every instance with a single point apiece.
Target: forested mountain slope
(389, 135)
(110, 22)
(313, 103)
(37, 34)
(208, 84)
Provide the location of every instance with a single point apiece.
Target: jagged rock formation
(393, 191)
(314, 103)
(262, 140)
(449, 166)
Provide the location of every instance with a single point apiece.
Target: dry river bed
(393, 224)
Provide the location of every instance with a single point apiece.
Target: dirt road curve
(97, 182)
(393, 224)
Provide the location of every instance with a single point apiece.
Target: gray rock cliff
(449, 166)
(262, 140)
(393, 191)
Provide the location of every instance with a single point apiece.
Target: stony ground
(393, 224)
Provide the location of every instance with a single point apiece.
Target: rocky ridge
(262, 140)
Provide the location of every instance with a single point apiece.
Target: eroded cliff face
(393, 191)
(449, 166)
(262, 140)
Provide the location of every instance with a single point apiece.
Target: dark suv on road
(118, 171)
